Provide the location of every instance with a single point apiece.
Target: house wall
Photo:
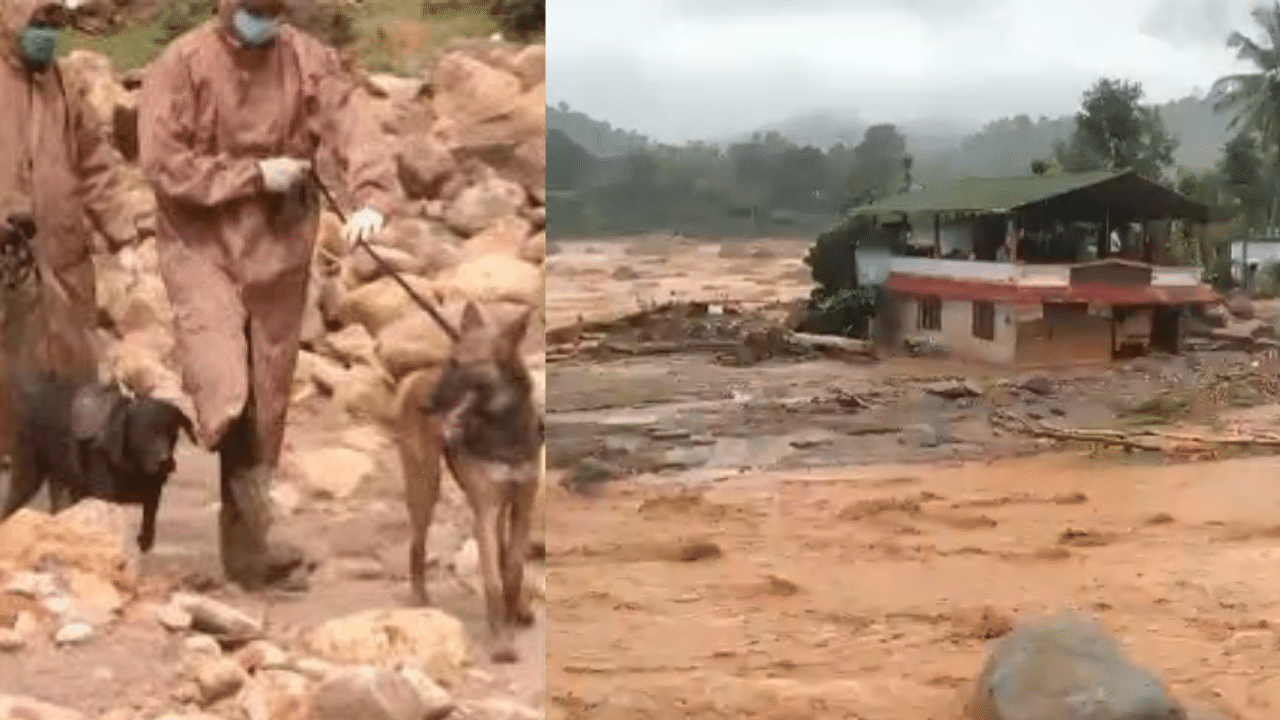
(957, 330)
(1262, 253)
(1053, 335)
(873, 264)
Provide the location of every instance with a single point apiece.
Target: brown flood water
(870, 592)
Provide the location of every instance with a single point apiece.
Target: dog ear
(513, 334)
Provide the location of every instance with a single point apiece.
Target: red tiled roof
(1004, 292)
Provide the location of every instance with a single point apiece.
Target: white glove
(282, 174)
(362, 226)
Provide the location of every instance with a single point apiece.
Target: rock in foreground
(1066, 667)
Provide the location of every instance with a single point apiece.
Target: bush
(838, 305)
(520, 20)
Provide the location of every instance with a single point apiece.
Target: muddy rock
(92, 536)
(276, 695)
(505, 236)
(922, 435)
(324, 373)
(196, 651)
(217, 618)
(364, 268)
(434, 246)
(423, 164)
(469, 92)
(1066, 667)
(380, 695)
(435, 641)
(498, 709)
(96, 600)
(333, 473)
(365, 393)
(18, 707)
(1040, 385)
(414, 341)
(495, 278)
(219, 679)
(482, 204)
(73, 633)
(535, 249)
(350, 345)
(953, 389)
(173, 617)
(530, 65)
(381, 302)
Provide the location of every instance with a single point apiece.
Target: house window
(984, 320)
(930, 309)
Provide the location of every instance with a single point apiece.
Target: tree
(877, 166)
(1115, 131)
(1253, 99)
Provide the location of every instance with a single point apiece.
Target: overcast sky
(684, 69)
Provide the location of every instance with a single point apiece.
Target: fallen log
(1177, 443)
(833, 343)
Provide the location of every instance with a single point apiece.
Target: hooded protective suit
(55, 164)
(234, 258)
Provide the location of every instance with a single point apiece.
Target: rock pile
(470, 226)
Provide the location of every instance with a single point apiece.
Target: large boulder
(494, 278)
(382, 301)
(424, 164)
(504, 236)
(469, 92)
(479, 205)
(1066, 667)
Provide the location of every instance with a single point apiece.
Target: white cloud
(679, 69)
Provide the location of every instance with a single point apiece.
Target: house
(1249, 255)
(1036, 270)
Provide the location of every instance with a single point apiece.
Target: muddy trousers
(249, 557)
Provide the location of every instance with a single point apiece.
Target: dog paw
(504, 653)
(523, 616)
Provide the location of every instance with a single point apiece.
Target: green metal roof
(976, 194)
(1123, 188)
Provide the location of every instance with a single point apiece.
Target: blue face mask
(38, 45)
(253, 30)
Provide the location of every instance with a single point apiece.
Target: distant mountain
(942, 150)
(597, 136)
(1008, 145)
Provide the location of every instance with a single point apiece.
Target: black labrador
(92, 440)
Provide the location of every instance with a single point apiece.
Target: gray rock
(1037, 385)
(1066, 667)
(953, 389)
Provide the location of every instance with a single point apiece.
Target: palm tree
(1254, 98)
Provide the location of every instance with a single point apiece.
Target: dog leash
(385, 266)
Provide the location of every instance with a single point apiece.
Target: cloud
(685, 69)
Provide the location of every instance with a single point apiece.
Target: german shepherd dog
(476, 412)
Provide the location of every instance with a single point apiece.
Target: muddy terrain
(802, 536)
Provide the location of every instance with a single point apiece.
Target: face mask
(39, 46)
(253, 30)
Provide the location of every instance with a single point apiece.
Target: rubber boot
(249, 558)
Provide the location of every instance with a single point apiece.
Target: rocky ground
(88, 629)
(799, 536)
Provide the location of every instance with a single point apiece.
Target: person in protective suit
(56, 170)
(231, 116)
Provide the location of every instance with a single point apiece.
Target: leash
(385, 266)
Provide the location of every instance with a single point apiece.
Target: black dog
(92, 440)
